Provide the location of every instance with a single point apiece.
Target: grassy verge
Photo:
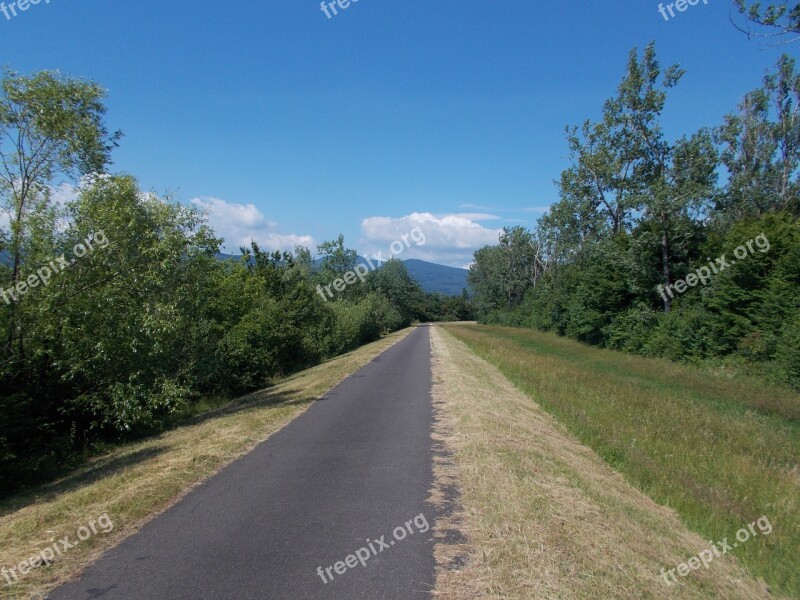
(140, 480)
(545, 516)
(721, 452)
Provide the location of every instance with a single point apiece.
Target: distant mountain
(432, 277)
(222, 256)
(437, 278)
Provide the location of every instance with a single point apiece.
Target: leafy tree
(439, 307)
(761, 149)
(393, 282)
(122, 314)
(676, 196)
(336, 259)
(613, 158)
(502, 275)
(51, 128)
(672, 180)
(303, 259)
(626, 172)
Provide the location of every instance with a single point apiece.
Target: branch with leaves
(777, 20)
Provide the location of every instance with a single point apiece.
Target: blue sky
(292, 128)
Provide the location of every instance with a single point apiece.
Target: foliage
(638, 212)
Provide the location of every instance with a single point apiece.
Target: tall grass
(721, 452)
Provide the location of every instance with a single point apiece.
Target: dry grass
(139, 481)
(545, 516)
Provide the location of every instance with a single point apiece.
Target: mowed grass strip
(545, 516)
(139, 481)
(720, 451)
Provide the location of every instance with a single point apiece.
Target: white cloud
(528, 209)
(477, 216)
(63, 194)
(60, 195)
(450, 239)
(474, 207)
(241, 223)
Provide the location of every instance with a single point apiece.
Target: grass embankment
(140, 480)
(721, 452)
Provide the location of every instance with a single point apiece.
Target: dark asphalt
(355, 466)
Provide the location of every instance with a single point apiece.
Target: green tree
(627, 173)
(613, 158)
(393, 282)
(336, 259)
(761, 149)
(51, 129)
(501, 275)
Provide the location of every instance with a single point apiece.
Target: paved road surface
(355, 466)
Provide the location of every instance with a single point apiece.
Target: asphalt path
(332, 506)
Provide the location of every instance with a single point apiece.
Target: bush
(680, 335)
(631, 330)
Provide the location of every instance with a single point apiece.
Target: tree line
(638, 214)
(101, 344)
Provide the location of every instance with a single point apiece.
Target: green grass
(721, 451)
